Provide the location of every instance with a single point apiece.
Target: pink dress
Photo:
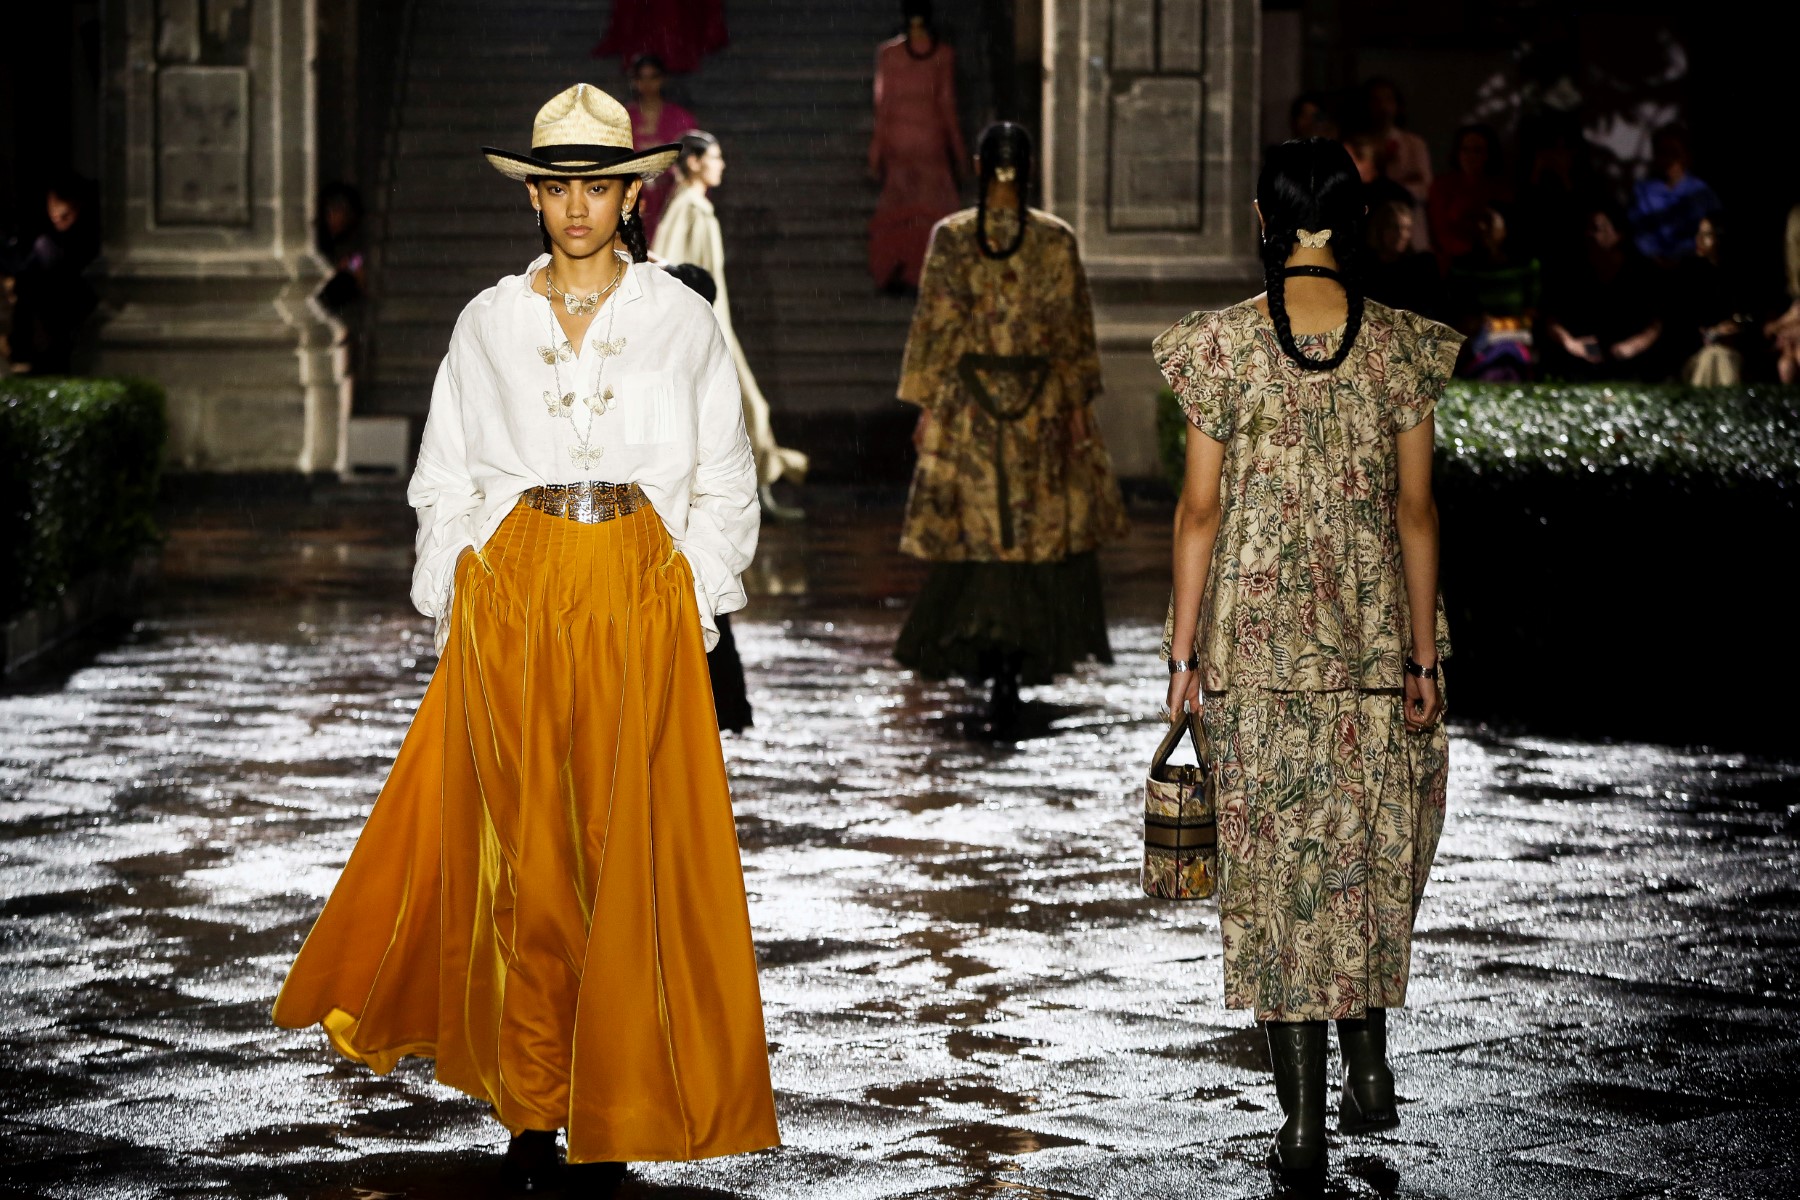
(916, 149)
(671, 123)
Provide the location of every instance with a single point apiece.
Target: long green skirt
(971, 615)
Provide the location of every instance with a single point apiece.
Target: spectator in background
(1603, 315)
(917, 152)
(1714, 304)
(655, 121)
(1394, 273)
(1401, 155)
(1666, 208)
(1493, 299)
(1553, 192)
(51, 295)
(1784, 331)
(338, 236)
(1474, 185)
(1378, 189)
(1308, 117)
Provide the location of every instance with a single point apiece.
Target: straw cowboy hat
(582, 133)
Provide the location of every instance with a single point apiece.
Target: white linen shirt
(676, 429)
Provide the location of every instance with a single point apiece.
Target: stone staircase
(789, 98)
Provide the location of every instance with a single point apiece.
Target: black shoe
(593, 1181)
(1297, 1054)
(532, 1164)
(1367, 1104)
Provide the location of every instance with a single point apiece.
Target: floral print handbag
(1181, 833)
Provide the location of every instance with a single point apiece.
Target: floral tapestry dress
(1329, 808)
(1014, 490)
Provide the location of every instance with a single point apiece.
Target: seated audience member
(1395, 274)
(1714, 304)
(1365, 150)
(51, 296)
(1401, 155)
(1493, 299)
(1667, 206)
(1557, 184)
(1474, 184)
(1784, 331)
(1603, 313)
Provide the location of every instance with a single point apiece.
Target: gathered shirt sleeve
(442, 489)
(1192, 358)
(1422, 360)
(723, 518)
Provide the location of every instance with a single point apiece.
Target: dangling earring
(540, 218)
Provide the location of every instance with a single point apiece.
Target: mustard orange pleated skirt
(548, 898)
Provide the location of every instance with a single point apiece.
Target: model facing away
(1306, 592)
(547, 898)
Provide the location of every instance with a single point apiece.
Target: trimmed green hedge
(79, 465)
(1664, 431)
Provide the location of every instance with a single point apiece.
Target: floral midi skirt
(1329, 814)
(547, 898)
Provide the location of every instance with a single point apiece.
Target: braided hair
(1311, 183)
(1003, 146)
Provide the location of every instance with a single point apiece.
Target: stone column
(209, 265)
(1150, 150)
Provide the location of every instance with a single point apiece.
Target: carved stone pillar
(209, 264)
(1150, 150)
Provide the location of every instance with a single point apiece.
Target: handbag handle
(1167, 747)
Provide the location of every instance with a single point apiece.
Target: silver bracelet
(1178, 665)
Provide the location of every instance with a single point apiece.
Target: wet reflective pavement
(967, 995)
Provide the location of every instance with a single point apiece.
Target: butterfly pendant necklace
(560, 404)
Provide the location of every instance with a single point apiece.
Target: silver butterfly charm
(602, 402)
(585, 456)
(562, 353)
(610, 349)
(559, 407)
(582, 306)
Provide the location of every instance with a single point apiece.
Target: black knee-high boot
(1297, 1054)
(1367, 1104)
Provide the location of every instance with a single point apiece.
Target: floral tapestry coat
(1329, 809)
(1306, 590)
(1043, 451)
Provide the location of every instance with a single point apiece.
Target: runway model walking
(690, 233)
(917, 148)
(547, 898)
(1014, 490)
(1306, 594)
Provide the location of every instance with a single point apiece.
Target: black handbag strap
(1191, 725)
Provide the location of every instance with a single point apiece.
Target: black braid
(631, 234)
(1312, 184)
(1275, 251)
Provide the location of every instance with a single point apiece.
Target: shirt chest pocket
(649, 408)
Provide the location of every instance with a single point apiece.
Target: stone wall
(1150, 149)
(209, 145)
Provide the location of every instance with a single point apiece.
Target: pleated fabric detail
(548, 897)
